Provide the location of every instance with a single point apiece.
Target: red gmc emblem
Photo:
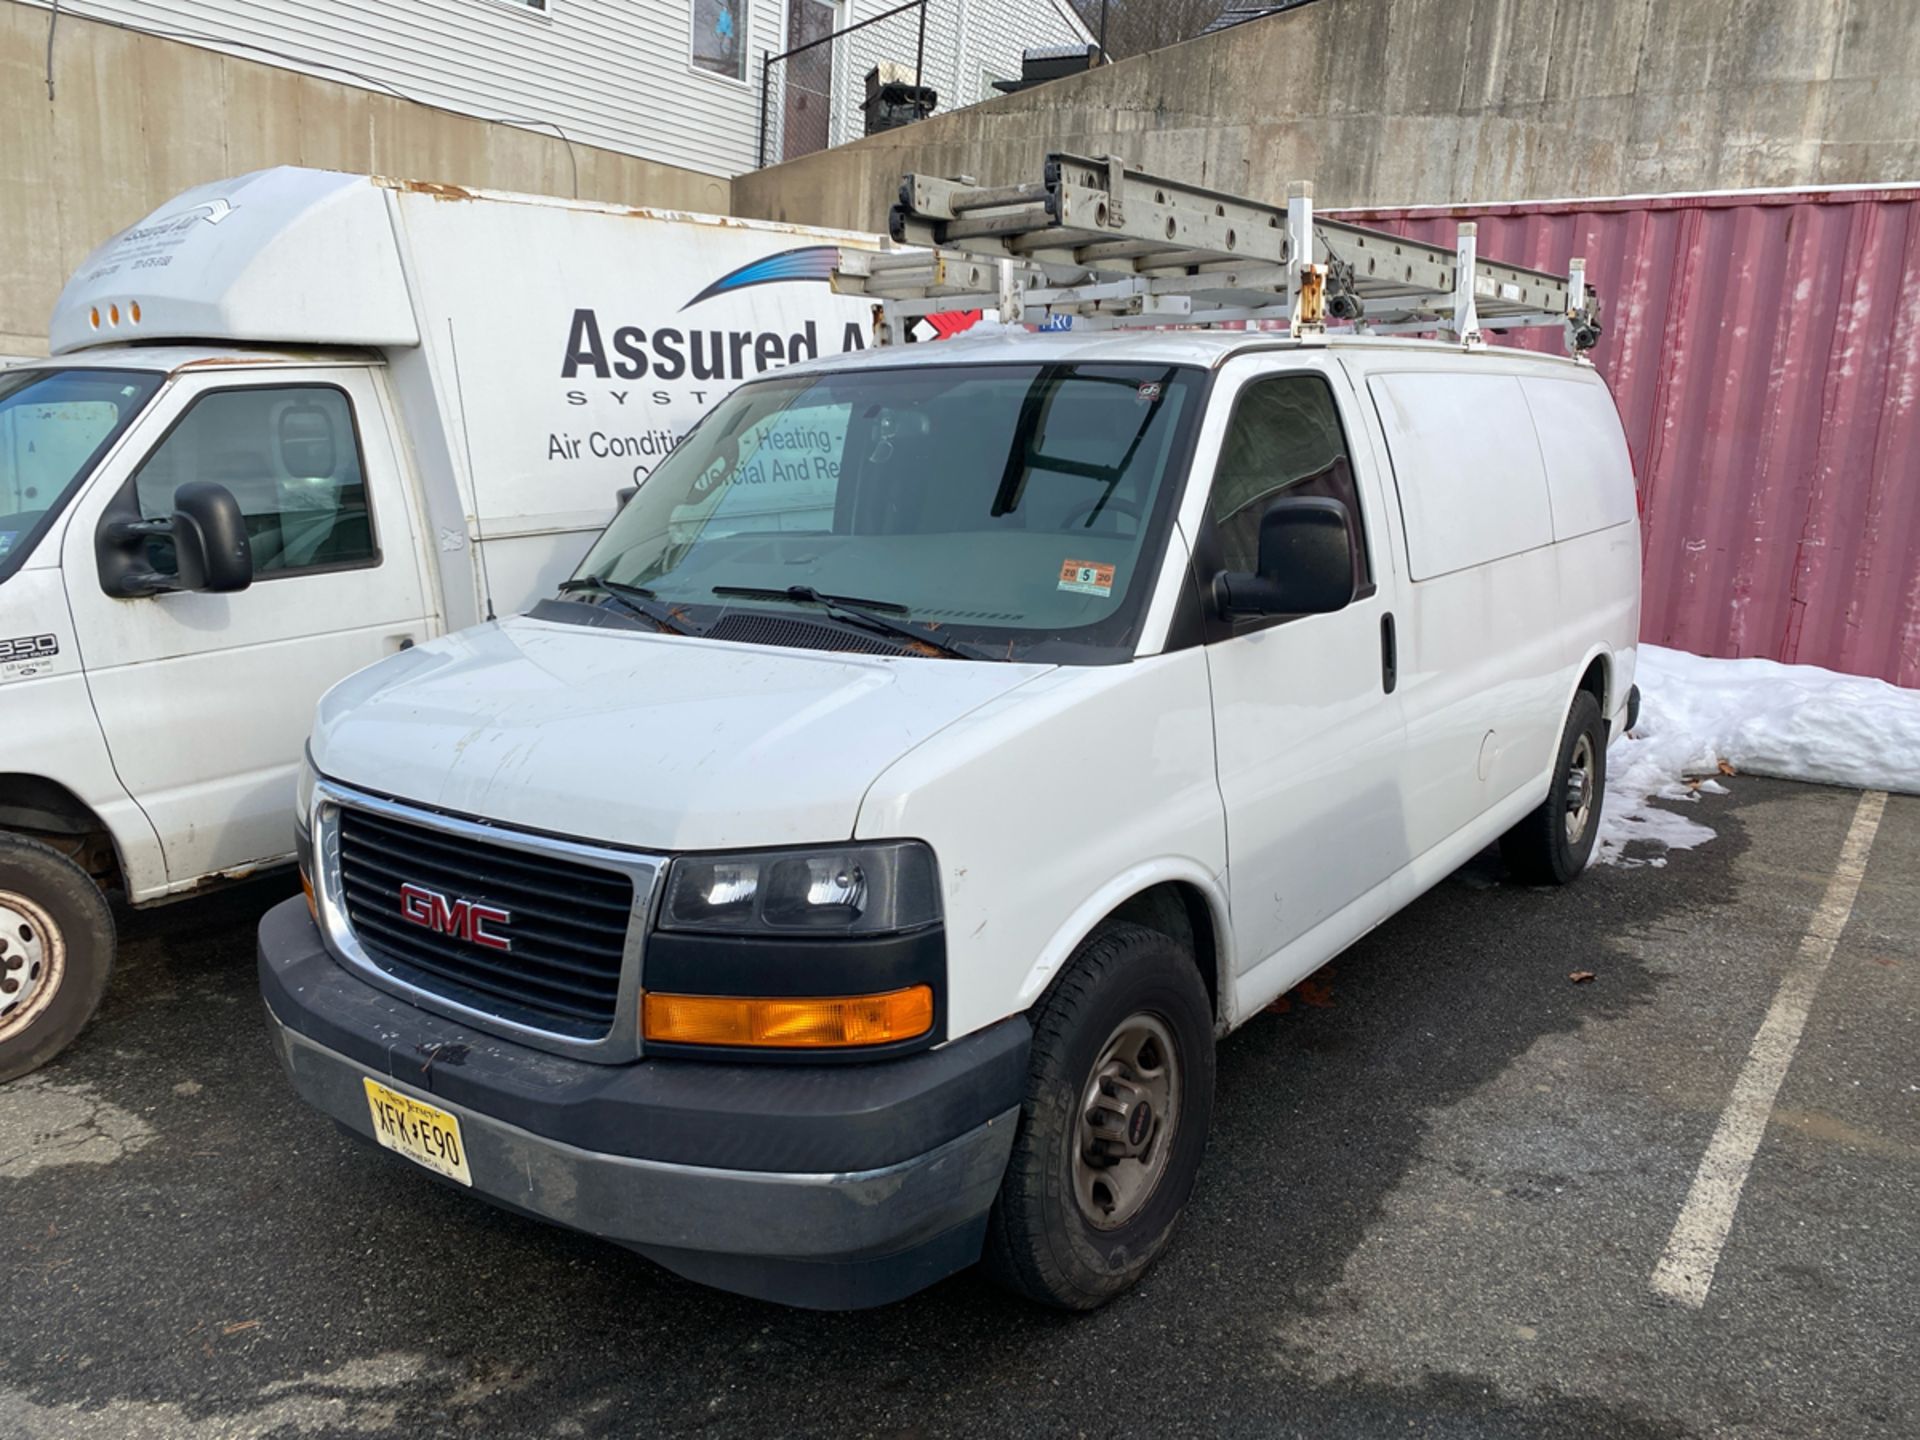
(463, 919)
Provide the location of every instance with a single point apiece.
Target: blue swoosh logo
(810, 262)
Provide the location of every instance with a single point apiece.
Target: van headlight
(837, 890)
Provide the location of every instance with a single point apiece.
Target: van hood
(636, 738)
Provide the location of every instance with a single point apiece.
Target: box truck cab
(293, 423)
(851, 875)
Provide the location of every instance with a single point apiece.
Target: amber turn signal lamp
(306, 887)
(806, 1023)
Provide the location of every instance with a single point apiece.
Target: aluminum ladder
(1111, 246)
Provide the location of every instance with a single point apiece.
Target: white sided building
(673, 81)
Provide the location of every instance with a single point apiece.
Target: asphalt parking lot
(1441, 1178)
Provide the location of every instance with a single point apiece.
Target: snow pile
(1798, 722)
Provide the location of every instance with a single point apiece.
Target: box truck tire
(1119, 1096)
(1553, 844)
(56, 950)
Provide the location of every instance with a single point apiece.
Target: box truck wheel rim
(33, 958)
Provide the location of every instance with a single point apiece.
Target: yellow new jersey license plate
(423, 1133)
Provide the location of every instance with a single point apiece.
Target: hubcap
(1579, 789)
(32, 960)
(1127, 1120)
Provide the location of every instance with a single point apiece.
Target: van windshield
(1018, 511)
(54, 425)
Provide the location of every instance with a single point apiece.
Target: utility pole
(1105, 59)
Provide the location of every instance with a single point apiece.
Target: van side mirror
(1305, 565)
(210, 546)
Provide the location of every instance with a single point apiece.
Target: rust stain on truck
(438, 189)
(280, 355)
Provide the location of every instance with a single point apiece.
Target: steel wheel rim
(1128, 1115)
(1579, 789)
(33, 961)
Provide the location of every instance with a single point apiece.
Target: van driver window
(291, 458)
(1284, 440)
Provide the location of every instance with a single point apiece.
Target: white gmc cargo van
(851, 872)
(395, 409)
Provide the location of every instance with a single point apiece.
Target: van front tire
(56, 950)
(1119, 1097)
(1553, 844)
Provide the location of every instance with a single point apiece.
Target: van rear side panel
(1472, 487)
(1589, 472)
(1521, 560)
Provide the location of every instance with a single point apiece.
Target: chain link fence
(831, 86)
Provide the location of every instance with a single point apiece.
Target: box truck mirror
(1304, 564)
(210, 539)
(210, 545)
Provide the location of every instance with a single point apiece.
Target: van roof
(1206, 348)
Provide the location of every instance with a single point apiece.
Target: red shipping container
(1764, 350)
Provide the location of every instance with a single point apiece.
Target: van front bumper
(827, 1186)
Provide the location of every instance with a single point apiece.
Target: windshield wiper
(862, 614)
(634, 599)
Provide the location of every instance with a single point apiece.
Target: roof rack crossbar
(1095, 243)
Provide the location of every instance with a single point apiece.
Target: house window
(720, 37)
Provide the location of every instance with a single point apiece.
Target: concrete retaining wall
(136, 120)
(1440, 101)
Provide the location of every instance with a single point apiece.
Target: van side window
(1284, 440)
(291, 457)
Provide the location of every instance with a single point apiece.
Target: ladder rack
(1107, 246)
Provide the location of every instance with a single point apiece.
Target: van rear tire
(1119, 1097)
(1554, 843)
(56, 951)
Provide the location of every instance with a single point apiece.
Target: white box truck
(294, 422)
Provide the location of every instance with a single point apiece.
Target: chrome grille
(565, 922)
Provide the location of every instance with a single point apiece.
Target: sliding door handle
(1389, 654)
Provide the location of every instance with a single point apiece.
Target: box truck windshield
(54, 426)
(1019, 509)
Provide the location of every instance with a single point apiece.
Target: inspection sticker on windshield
(1083, 577)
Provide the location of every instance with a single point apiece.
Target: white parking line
(1685, 1271)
